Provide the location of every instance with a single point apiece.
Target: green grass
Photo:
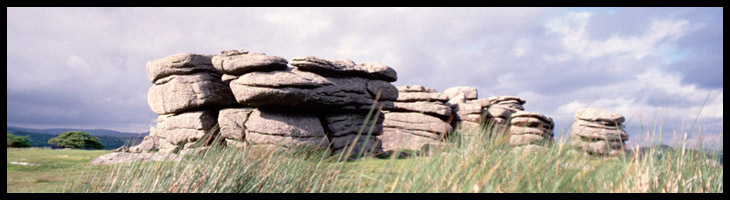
(55, 169)
(475, 164)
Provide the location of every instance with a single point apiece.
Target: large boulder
(237, 62)
(599, 132)
(417, 123)
(367, 70)
(177, 93)
(396, 138)
(178, 129)
(179, 64)
(470, 93)
(301, 89)
(271, 126)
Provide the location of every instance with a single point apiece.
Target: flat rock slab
(432, 108)
(346, 141)
(326, 67)
(254, 138)
(594, 114)
(416, 121)
(510, 99)
(470, 93)
(394, 139)
(599, 133)
(237, 64)
(123, 157)
(300, 89)
(179, 64)
(421, 96)
(529, 122)
(177, 93)
(534, 115)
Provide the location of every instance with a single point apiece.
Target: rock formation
(317, 103)
(500, 110)
(598, 132)
(417, 118)
(530, 130)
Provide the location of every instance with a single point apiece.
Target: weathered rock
(177, 93)
(394, 139)
(185, 127)
(243, 63)
(482, 102)
(386, 90)
(529, 122)
(469, 128)
(468, 112)
(516, 130)
(179, 64)
(421, 96)
(318, 142)
(599, 125)
(470, 93)
(307, 90)
(269, 126)
(532, 115)
(345, 67)
(415, 88)
(232, 122)
(149, 143)
(227, 78)
(500, 112)
(431, 108)
(510, 99)
(599, 133)
(340, 124)
(594, 114)
(123, 157)
(282, 123)
(599, 147)
(417, 121)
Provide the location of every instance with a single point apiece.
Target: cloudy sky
(659, 67)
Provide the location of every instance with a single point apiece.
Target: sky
(661, 68)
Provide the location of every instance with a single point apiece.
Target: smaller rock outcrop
(599, 132)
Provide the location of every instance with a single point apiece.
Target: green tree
(20, 141)
(76, 140)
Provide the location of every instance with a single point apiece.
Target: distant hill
(111, 139)
(94, 132)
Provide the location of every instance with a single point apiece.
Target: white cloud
(574, 37)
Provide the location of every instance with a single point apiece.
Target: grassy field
(476, 165)
(56, 168)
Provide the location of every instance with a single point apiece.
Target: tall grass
(468, 162)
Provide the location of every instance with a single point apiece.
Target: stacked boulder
(418, 118)
(186, 94)
(501, 108)
(599, 132)
(530, 130)
(317, 103)
(467, 109)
